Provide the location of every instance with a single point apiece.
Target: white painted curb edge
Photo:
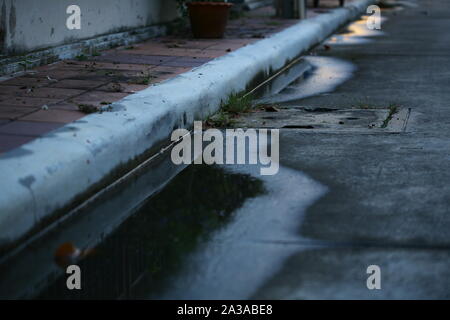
(48, 173)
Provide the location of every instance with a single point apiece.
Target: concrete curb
(49, 173)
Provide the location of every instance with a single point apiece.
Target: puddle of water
(316, 75)
(207, 235)
(323, 76)
(153, 242)
(86, 229)
(211, 233)
(356, 33)
(239, 258)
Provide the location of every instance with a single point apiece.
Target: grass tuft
(393, 109)
(235, 105)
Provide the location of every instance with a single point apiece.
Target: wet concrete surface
(388, 199)
(341, 202)
(385, 197)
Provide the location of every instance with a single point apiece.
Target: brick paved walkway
(48, 97)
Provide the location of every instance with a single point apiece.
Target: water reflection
(324, 76)
(152, 243)
(356, 33)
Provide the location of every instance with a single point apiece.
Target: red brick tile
(104, 76)
(164, 51)
(11, 112)
(61, 74)
(194, 53)
(12, 90)
(128, 58)
(29, 102)
(162, 78)
(122, 87)
(171, 70)
(29, 128)
(172, 44)
(52, 93)
(228, 45)
(10, 142)
(97, 97)
(77, 84)
(185, 62)
(201, 43)
(26, 81)
(117, 74)
(49, 67)
(241, 41)
(54, 115)
(72, 106)
(211, 53)
(94, 65)
(168, 72)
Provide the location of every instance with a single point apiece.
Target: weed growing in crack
(88, 108)
(235, 105)
(393, 109)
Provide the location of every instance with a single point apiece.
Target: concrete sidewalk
(388, 199)
(57, 170)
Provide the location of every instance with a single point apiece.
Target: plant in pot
(208, 18)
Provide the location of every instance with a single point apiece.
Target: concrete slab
(342, 274)
(387, 203)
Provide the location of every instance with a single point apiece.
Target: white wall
(36, 24)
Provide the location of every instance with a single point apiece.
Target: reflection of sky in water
(356, 33)
(319, 75)
(244, 254)
(324, 76)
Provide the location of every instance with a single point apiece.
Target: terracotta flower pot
(208, 19)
